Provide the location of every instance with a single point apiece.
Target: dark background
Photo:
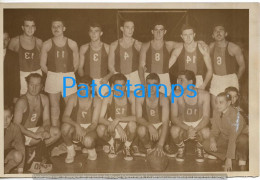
(77, 21)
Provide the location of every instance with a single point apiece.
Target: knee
(101, 130)
(18, 156)
(242, 140)
(141, 131)
(88, 142)
(205, 132)
(65, 129)
(55, 132)
(132, 127)
(175, 131)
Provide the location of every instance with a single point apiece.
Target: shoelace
(180, 150)
(112, 149)
(127, 151)
(199, 152)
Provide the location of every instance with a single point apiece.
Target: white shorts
(220, 83)
(134, 79)
(23, 82)
(28, 139)
(193, 124)
(157, 125)
(104, 90)
(164, 79)
(122, 124)
(199, 80)
(54, 83)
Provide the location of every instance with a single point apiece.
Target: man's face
(57, 28)
(219, 33)
(34, 86)
(158, 32)
(84, 92)
(188, 36)
(29, 28)
(152, 89)
(234, 96)
(182, 80)
(6, 40)
(128, 29)
(123, 88)
(221, 103)
(95, 33)
(8, 117)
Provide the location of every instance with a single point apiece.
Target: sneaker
(209, 156)
(92, 154)
(169, 151)
(46, 165)
(106, 149)
(61, 149)
(127, 153)
(241, 163)
(84, 150)
(70, 156)
(112, 152)
(35, 167)
(180, 154)
(137, 153)
(199, 154)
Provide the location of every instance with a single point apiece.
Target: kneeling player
(32, 114)
(80, 120)
(117, 117)
(227, 134)
(190, 115)
(152, 115)
(13, 144)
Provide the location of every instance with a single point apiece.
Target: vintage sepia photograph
(130, 89)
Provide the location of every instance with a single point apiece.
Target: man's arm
(74, 47)
(171, 45)
(46, 113)
(68, 110)
(82, 52)
(214, 129)
(14, 44)
(142, 62)
(206, 111)
(165, 120)
(206, 56)
(95, 115)
(102, 119)
(132, 117)
(111, 57)
(44, 54)
(236, 50)
(175, 54)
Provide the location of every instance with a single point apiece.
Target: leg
(55, 135)
(89, 143)
(130, 132)
(178, 135)
(212, 100)
(67, 131)
(13, 159)
(242, 148)
(143, 135)
(55, 108)
(36, 141)
(202, 134)
(102, 132)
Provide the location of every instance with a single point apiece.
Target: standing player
(93, 59)
(59, 58)
(155, 55)
(28, 48)
(14, 149)
(80, 120)
(228, 63)
(192, 56)
(152, 115)
(190, 116)
(117, 117)
(32, 115)
(124, 54)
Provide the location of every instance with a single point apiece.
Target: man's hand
(46, 135)
(203, 86)
(228, 164)
(80, 132)
(122, 134)
(38, 135)
(204, 49)
(213, 145)
(111, 127)
(154, 135)
(159, 150)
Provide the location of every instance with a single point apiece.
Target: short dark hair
(116, 77)
(187, 26)
(225, 95)
(86, 79)
(28, 18)
(219, 24)
(153, 76)
(231, 88)
(58, 19)
(125, 21)
(33, 75)
(95, 24)
(189, 75)
(159, 23)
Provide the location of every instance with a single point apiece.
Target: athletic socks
(128, 143)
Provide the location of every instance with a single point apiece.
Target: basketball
(157, 162)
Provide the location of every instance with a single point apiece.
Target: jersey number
(157, 56)
(152, 112)
(28, 55)
(120, 111)
(95, 57)
(60, 54)
(189, 60)
(219, 60)
(33, 118)
(190, 111)
(84, 114)
(126, 55)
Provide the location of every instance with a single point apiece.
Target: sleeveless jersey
(223, 62)
(82, 116)
(191, 113)
(126, 59)
(157, 61)
(191, 61)
(117, 111)
(60, 59)
(96, 62)
(153, 115)
(32, 118)
(29, 60)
